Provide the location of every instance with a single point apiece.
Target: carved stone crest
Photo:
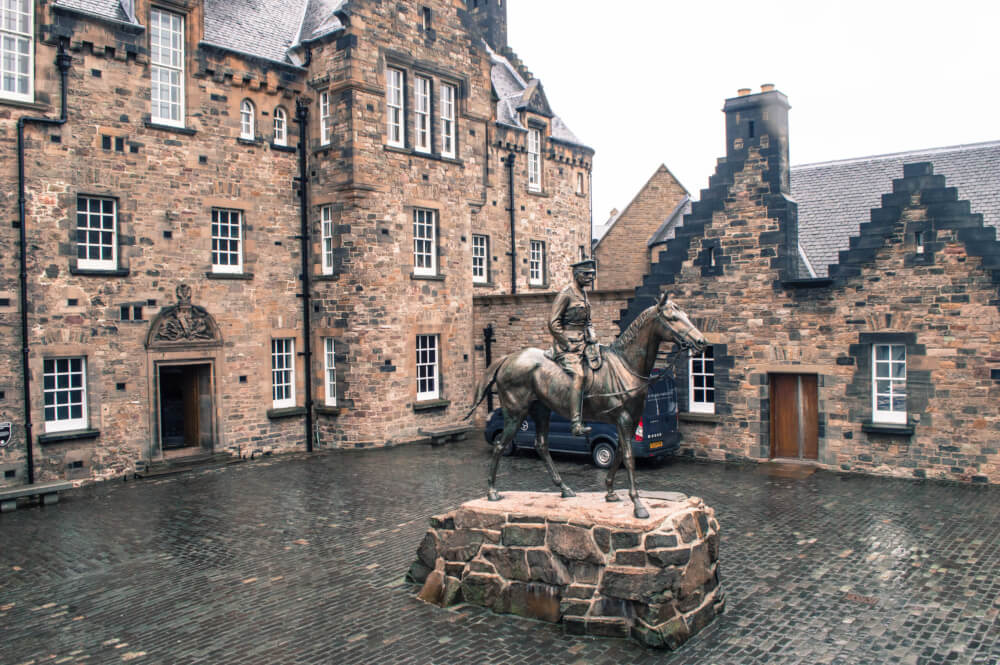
(183, 324)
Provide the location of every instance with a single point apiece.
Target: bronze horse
(528, 382)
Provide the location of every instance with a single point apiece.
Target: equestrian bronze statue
(529, 382)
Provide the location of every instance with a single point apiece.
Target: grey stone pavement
(301, 560)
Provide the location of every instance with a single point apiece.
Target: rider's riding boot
(576, 412)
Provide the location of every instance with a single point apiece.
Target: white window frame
(449, 94)
(218, 251)
(247, 120)
(166, 65)
(280, 126)
(480, 258)
(422, 113)
(395, 108)
(891, 372)
(17, 42)
(534, 160)
(70, 395)
(96, 223)
(326, 235)
(325, 126)
(536, 263)
(424, 241)
(428, 367)
(283, 372)
(330, 371)
(701, 381)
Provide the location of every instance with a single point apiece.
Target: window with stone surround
(579, 184)
(227, 241)
(536, 263)
(424, 242)
(96, 233)
(428, 369)
(480, 258)
(329, 371)
(422, 113)
(448, 95)
(64, 386)
(17, 40)
(889, 384)
(325, 122)
(326, 233)
(280, 126)
(701, 381)
(395, 127)
(534, 160)
(247, 120)
(166, 57)
(283, 372)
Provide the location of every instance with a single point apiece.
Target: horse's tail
(483, 389)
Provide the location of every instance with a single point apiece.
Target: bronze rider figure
(572, 334)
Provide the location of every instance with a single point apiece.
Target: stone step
(167, 467)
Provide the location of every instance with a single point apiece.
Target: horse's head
(677, 322)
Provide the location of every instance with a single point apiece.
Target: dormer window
(534, 160)
(166, 47)
(18, 45)
(246, 120)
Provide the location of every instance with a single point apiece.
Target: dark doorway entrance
(186, 408)
(794, 416)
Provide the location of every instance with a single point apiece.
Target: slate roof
(111, 9)
(835, 197)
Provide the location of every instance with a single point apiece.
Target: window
(534, 160)
(889, 383)
(425, 18)
(227, 237)
(422, 95)
(330, 371)
(65, 391)
(424, 242)
(701, 384)
(918, 242)
(283, 372)
(17, 66)
(280, 126)
(166, 46)
(96, 233)
(480, 258)
(447, 120)
(246, 120)
(536, 263)
(326, 231)
(428, 384)
(394, 107)
(579, 184)
(325, 125)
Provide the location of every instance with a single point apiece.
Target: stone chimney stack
(490, 16)
(760, 120)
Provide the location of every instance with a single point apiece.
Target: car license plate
(655, 444)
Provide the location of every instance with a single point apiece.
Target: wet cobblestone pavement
(301, 560)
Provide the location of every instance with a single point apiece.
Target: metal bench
(444, 434)
(48, 492)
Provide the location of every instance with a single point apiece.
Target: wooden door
(794, 416)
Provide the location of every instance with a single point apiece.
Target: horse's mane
(632, 331)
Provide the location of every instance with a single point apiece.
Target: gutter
(302, 118)
(63, 61)
(509, 163)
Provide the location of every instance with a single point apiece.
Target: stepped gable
(835, 197)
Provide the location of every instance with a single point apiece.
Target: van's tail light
(638, 431)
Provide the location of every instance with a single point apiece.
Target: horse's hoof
(641, 512)
(494, 495)
(612, 497)
(567, 492)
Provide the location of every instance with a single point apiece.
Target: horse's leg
(511, 423)
(609, 480)
(541, 415)
(626, 430)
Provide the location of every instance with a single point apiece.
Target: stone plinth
(583, 561)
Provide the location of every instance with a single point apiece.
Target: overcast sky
(643, 81)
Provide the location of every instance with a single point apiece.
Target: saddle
(592, 353)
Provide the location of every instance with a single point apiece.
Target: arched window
(280, 126)
(246, 120)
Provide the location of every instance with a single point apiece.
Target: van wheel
(508, 450)
(603, 454)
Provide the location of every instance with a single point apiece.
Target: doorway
(185, 409)
(794, 416)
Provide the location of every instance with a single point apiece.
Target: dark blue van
(656, 436)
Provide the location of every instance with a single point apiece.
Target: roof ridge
(890, 155)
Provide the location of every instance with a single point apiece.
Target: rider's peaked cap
(586, 264)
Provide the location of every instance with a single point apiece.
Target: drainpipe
(63, 61)
(302, 118)
(509, 163)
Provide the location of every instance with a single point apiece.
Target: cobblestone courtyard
(301, 560)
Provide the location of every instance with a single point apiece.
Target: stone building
(257, 226)
(853, 307)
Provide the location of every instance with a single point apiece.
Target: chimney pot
(766, 87)
(743, 92)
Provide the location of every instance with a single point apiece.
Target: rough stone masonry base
(583, 561)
